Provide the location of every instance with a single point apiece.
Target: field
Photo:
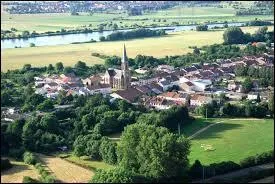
(66, 171)
(173, 44)
(233, 140)
(17, 172)
(182, 15)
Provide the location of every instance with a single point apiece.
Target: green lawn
(233, 140)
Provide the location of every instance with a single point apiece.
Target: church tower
(126, 78)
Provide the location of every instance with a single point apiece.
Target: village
(192, 86)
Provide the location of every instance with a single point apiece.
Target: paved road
(269, 179)
(65, 171)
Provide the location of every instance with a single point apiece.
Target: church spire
(124, 56)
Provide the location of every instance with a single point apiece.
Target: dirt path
(65, 171)
(17, 172)
(202, 130)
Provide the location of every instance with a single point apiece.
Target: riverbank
(175, 43)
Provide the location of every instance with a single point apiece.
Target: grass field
(182, 15)
(233, 140)
(172, 44)
(17, 172)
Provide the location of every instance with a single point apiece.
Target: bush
(29, 158)
(48, 179)
(27, 179)
(17, 153)
(258, 159)
(5, 164)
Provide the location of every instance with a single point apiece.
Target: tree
(6, 98)
(102, 38)
(115, 175)
(47, 105)
(153, 151)
(81, 65)
(115, 26)
(68, 69)
(107, 151)
(100, 28)
(247, 85)
(59, 66)
(233, 35)
(50, 68)
(195, 170)
(271, 103)
(258, 98)
(196, 51)
(32, 45)
(202, 28)
(27, 67)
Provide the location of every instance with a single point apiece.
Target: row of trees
(234, 35)
(258, 110)
(139, 33)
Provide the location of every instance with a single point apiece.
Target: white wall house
(201, 84)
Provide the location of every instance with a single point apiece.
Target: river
(82, 37)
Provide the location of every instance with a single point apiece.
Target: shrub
(48, 179)
(5, 164)
(258, 159)
(17, 153)
(29, 158)
(27, 179)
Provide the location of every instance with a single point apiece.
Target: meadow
(233, 140)
(182, 15)
(177, 43)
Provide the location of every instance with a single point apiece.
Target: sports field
(173, 44)
(233, 140)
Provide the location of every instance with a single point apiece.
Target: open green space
(181, 15)
(233, 140)
(177, 43)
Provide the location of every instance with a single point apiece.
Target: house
(165, 68)
(100, 88)
(187, 86)
(130, 95)
(51, 85)
(235, 96)
(252, 96)
(169, 82)
(160, 103)
(235, 86)
(201, 84)
(175, 96)
(92, 81)
(155, 87)
(198, 100)
(52, 95)
(140, 71)
(145, 89)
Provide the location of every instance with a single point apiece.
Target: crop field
(17, 172)
(173, 44)
(65, 171)
(182, 15)
(233, 139)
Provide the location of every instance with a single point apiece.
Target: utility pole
(202, 173)
(179, 128)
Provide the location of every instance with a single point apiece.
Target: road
(66, 172)
(239, 173)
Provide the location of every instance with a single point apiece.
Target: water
(82, 37)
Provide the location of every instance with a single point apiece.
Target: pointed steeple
(124, 56)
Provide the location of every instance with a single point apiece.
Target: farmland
(66, 171)
(181, 15)
(172, 44)
(17, 172)
(233, 140)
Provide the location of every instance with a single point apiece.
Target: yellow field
(172, 44)
(17, 172)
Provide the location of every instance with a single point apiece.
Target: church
(119, 79)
